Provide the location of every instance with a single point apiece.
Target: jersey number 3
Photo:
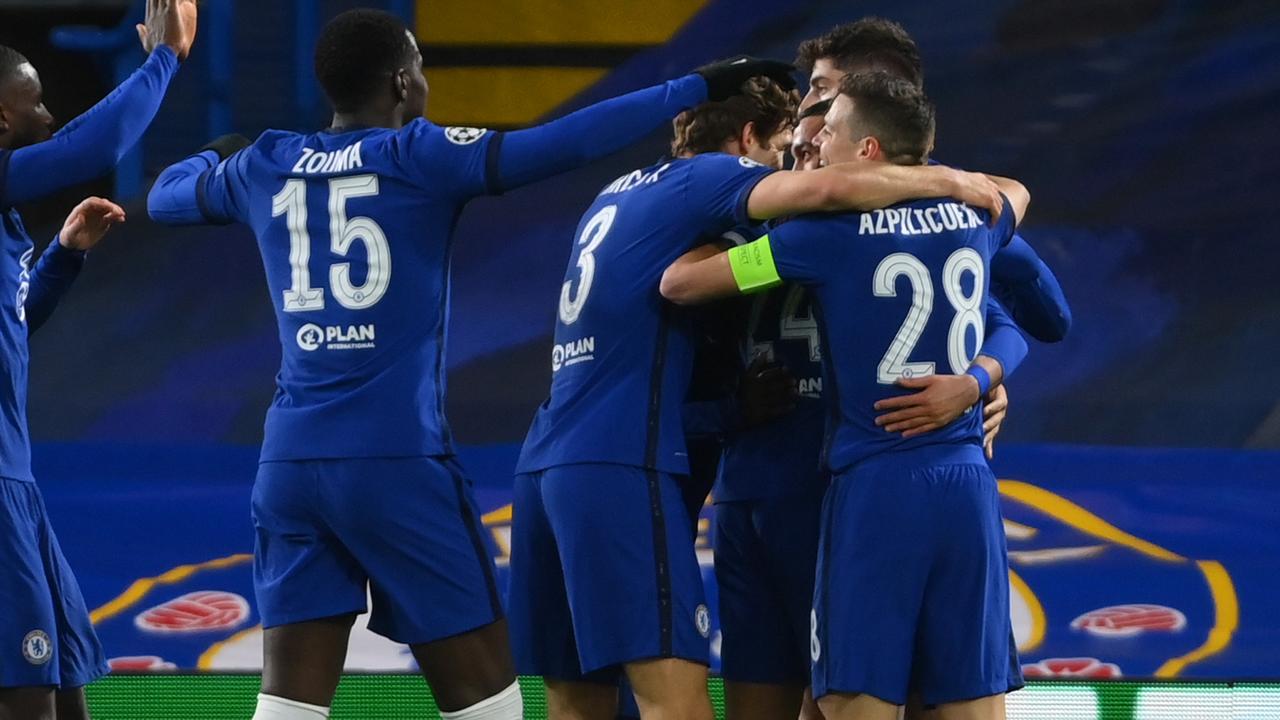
(571, 304)
(968, 308)
(343, 232)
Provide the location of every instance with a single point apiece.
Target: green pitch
(405, 697)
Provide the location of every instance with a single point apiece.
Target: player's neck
(366, 119)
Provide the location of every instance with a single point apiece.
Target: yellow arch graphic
(1038, 622)
(206, 658)
(1221, 588)
(1081, 519)
(1226, 620)
(139, 589)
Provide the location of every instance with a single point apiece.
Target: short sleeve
(222, 192)
(718, 186)
(800, 251)
(463, 161)
(1004, 228)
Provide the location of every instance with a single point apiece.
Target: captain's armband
(753, 267)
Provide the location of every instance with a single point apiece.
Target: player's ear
(747, 138)
(400, 85)
(869, 147)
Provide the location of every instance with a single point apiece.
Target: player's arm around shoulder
(709, 273)
(700, 275)
(867, 186)
(1018, 195)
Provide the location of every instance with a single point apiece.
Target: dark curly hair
(708, 126)
(356, 50)
(895, 112)
(871, 43)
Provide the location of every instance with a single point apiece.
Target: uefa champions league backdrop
(1123, 563)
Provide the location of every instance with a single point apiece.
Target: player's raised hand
(994, 412)
(169, 22)
(940, 400)
(979, 191)
(725, 77)
(766, 391)
(88, 222)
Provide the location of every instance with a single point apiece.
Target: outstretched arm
(525, 156)
(198, 190)
(51, 278)
(92, 144)
(174, 199)
(61, 262)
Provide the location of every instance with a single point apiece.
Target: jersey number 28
(343, 232)
(968, 308)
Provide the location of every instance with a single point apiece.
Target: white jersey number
(792, 325)
(796, 326)
(343, 232)
(968, 308)
(592, 235)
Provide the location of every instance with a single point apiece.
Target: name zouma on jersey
(354, 230)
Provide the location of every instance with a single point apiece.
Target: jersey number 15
(343, 233)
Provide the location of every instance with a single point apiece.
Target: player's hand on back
(725, 77)
(994, 412)
(169, 22)
(89, 222)
(940, 399)
(979, 191)
(766, 391)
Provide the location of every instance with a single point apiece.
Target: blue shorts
(766, 551)
(603, 572)
(404, 530)
(913, 581)
(45, 634)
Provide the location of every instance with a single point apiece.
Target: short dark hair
(895, 112)
(706, 127)
(817, 109)
(356, 50)
(870, 43)
(10, 59)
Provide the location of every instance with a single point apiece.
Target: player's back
(783, 456)
(354, 229)
(623, 356)
(901, 292)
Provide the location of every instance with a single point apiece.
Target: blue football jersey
(899, 292)
(623, 356)
(15, 279)
(783, 456)
(354, 229)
